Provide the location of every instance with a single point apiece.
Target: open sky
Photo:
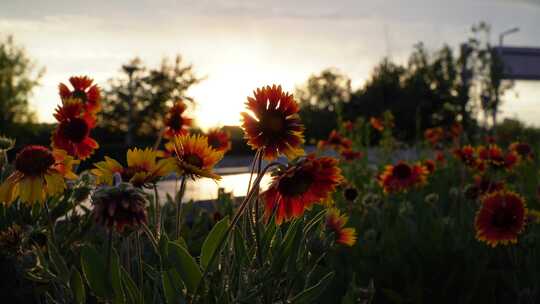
(243, 44)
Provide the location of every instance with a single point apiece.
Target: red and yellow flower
(467, 155)
(195, 157)
(299, 186)
(501, 218)
(377, 124)
(429, 165)
(274, 123)
(402, 177)
(73, 131)
(219, 140)
(434, 135)
(335, 141)
(175, 121)
(84, 90)
(143, 167)
(335, 222)
(350, 155)
(39, 173)
(348, 125)
(523, 150)
(496, 158)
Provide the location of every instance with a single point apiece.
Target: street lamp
(507, 32)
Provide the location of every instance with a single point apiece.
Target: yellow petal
(31, 190)
(55, 183)
(8, 190)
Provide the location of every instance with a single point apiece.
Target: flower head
(116, 207)
(299, 186)
(84, 90)
(523, 150)
(467, 155)
(348, 125)
(350, 155)
(175, 122)
(219, 140)
(434, 135)
(335, 222)
(501, 218)
(274, 124)
(73, 131)
(142, 168)
(39, 173)
(335, 141)
(195, 157)
(377, 124)
(429, 165)
(402, 177)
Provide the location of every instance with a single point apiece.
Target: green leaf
(77, 286)
(311, 294)
(172, 287)
(132, 291)
(185, 265)
(212, 241)
(58, 263)
(95, 272)
(116, 279)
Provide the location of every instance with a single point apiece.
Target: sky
(239, 45)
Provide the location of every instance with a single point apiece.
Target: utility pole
(130, 69)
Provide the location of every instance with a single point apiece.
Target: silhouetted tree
(18, 77)
(141, 96)
(321, 100)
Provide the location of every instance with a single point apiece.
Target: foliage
(18, 78)
(141, 95)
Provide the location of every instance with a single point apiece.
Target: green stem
(50, 222)
(234, 221)
(109, 254)
(179, 206)
(157, 211)
(140, 262)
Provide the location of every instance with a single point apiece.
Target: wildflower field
(352, 222)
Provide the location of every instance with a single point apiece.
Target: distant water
(207, 189)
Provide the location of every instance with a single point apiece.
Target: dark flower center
(523, 149)
(503, 219)
(214, 142)
(296, 184)
(80, 95)
(34, 160)
(273, 123)
(350, 194)
(193, 160)
(75, 129)
(402, 171)
(176, 122)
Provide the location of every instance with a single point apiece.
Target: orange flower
(456, 129)
(402, 177)
(467, 155)
(84, 90)
(494, 157)
(73, 131)
(274, 124)
(175, 123)
(350, 155)
(335, 222)
(429, 165)
(523, 150)
(348, 125)
(434, 135)
(39, 173)
(501, 218)
(299, 186)
(376, 123)
(219, 140)
(336, 142)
